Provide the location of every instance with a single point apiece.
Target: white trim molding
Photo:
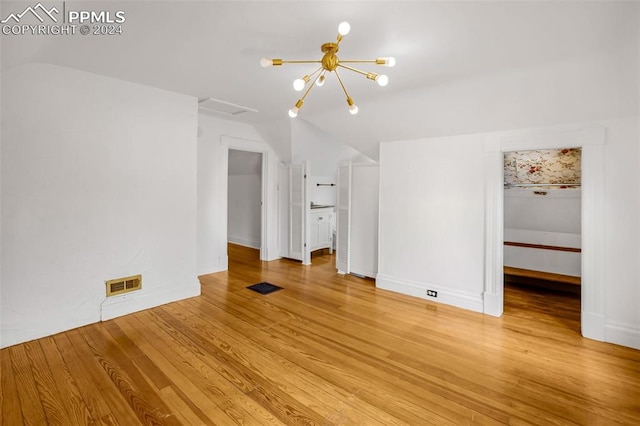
(493, 296)
(244, 242)
(459, 299)
(622, 334)
(269, 222)
(129, 303)
(592, 140)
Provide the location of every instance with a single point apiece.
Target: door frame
(592, 140)
(230, 142)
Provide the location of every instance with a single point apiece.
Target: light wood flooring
(326, 350)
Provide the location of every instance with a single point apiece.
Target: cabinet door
(324, 229)
(320, 230)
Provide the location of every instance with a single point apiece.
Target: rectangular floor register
(264, 288)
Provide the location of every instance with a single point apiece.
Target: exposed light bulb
(353, 108)
(265, 63)
(344, 28)
(389, 62)
(293, 112)
(298, 84)
(320, 81)
(382, 80)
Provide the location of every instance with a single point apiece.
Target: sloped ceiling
(212, 49)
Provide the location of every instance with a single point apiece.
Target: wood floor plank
(126, 377)
(341, 345)
(10, 408)
(327, 349)
(178, 405)
(88, 383)
(99, 392)
(52, 401)
(139, 358)
(327, 367)
(195, 385)
(293, 378)
(30, 403)
(67, 388)
(191, 373)
(258, 379)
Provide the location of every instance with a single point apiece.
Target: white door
(297, 212)
(283, 210)
(343, 227)
(363, 236)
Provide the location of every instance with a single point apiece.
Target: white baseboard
(129, 303)
(364, 273)
(593, 326)
(623, 334)
(493, 304)
(419, 289)
(244, 242)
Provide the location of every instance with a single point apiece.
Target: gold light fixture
(330, 63)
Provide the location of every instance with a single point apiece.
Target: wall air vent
(124, 285)
(227, 108)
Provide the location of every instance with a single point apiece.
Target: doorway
(592, 140)
(244, 198)
(542, 233)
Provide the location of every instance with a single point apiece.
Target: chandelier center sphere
(329, 60)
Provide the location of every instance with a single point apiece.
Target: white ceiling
(212, 49)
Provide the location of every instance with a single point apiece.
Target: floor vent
(124, 285)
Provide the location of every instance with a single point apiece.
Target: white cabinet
(321, 229)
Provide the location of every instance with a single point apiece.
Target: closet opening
(244, 201)
(542, 234)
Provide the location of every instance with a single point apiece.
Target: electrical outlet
(432, 293)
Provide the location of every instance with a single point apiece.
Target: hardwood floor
(328, 350)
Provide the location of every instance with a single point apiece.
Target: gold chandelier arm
(369, 75)
(360, 61)
(308, 89)
(384, 61)
(342, 84)
(314, 73)
(301, 62)
(353, 109)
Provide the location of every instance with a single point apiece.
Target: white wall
(432, 219)
(322, 150)
(98, 182)
(432, 231)
(323, 194)
(551, 219)
(215, 136)
(244, 204)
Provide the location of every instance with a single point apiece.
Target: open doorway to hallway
(542, 234)
(244, 200)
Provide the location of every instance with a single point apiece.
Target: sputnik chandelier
(331, 63)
